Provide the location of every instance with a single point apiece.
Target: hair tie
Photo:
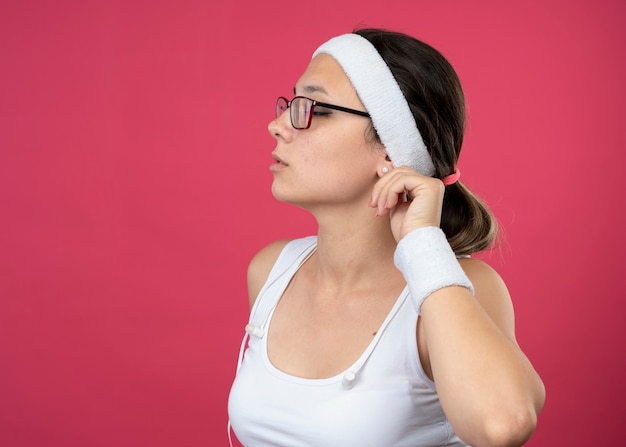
(452, 178)
(381, 95)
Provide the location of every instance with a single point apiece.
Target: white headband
(374, 83)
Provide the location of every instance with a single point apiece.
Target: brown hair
(433, 91)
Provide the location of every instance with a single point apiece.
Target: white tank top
(384, 399)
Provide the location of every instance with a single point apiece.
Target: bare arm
(488, 388)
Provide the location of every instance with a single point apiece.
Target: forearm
(487, 387)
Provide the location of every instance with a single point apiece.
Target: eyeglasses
(301, 110)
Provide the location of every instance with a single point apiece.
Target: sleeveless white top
(384, 399)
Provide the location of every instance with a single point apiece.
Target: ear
(384, 164)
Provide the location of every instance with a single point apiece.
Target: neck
(354, 248)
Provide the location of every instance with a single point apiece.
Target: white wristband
(428, 264)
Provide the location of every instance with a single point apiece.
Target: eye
(320, 111)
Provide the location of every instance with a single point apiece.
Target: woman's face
(333, 161)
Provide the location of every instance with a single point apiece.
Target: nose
(281, 128)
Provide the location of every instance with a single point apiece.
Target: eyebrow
(312, 89)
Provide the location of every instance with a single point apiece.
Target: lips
(278, 159)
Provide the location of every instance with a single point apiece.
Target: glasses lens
(301, 112)
(281, 106)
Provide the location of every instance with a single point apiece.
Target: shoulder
(491, 293)
(481, 274)
(261, 265)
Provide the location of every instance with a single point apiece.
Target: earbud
(348, 380)
(256, 331)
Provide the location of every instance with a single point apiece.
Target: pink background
(134, 188)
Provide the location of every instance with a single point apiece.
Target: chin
(281, 196)
(288, 196)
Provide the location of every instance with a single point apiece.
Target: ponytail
(466, 221)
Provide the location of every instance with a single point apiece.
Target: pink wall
(134, 189)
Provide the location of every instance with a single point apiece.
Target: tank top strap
(291, 257)
(288, 262)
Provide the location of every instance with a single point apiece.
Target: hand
(412, 200)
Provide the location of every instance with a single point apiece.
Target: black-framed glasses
(301, 110)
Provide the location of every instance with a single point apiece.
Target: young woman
(381, 330)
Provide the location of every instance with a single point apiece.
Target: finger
(378, 188)
(392, 190)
